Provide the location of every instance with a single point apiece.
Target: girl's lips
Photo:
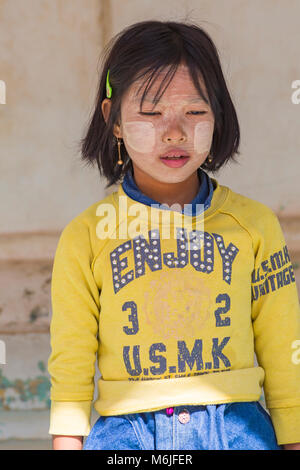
(175, 152)
(175, 163)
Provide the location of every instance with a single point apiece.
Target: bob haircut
(145, 49)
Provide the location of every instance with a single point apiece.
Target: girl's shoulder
(83, 229)
(248, 210)
(90, 215)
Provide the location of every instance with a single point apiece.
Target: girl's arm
(276, 326)
(74, 329)
(67, 442)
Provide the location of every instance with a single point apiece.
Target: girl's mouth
(175, 162)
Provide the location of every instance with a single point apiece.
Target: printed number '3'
(132, 317)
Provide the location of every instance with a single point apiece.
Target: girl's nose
(174, 133)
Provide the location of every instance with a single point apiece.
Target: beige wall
(49, 60)
(49, 55)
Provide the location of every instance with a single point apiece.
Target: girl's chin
(171, 171)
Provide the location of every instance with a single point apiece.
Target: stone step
(26, 444)
(30, 425)
(24, 378)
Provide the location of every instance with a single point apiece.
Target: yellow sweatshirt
(173, 307)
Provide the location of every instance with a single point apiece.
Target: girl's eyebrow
(192, 100)
(196, 100)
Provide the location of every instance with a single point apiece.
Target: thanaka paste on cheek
(203, 136)
(140, 136)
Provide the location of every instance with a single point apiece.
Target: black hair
(145, 49)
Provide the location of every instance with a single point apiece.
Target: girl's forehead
(172, 99)
(180, 87)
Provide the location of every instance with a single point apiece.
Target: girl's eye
(194, 113)
(148, 114)
(197, 112)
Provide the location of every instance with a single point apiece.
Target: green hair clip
(108, 86)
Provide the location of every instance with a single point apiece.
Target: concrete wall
(49, 62)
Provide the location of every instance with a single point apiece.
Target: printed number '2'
(132, 317)
(221, 310)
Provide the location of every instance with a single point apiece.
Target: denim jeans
(231, 426)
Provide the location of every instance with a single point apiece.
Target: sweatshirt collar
(202, 199)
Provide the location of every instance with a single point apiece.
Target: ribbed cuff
(70, 418)
(286, 422)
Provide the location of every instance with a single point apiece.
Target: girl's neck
(168, 193)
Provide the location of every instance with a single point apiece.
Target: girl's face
(181, 122)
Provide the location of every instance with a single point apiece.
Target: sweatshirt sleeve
(70, 418)
(73, 331)
(276, 326)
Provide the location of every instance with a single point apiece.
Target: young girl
(174, 280)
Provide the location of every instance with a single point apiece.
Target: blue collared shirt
(204, 195)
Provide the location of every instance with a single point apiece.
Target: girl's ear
(106, 106)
